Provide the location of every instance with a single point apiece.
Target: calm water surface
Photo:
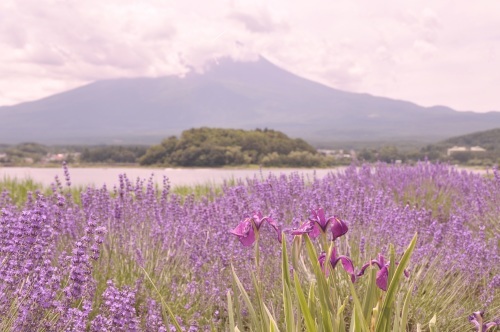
(177, 176)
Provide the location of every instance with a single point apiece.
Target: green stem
(323, 242)
(257, 256)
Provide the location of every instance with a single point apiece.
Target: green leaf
(164, 304)
(253, 315)
(289, 318)
(273, 327)
(404, 313)
(237, 305)
(359, 320)
(260, 302)
(311, 299)
(285, 269)
(339, 321)
(371, 295)
(287, 296)
(432, 324)
(327, 307)
(313, 257)
(397, 319)
(392, 263)
(384, 318)
(230, 311)
(306, 313)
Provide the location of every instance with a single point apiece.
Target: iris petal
(381, 278)
(244, 232)
(338, 227)
(275, 226)
(305, 228)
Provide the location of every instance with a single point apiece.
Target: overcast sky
(436, 52)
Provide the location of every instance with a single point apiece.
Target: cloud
(260, 21)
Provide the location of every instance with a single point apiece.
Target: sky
(438, 52)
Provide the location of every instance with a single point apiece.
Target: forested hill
(218, 147)
(489, 140)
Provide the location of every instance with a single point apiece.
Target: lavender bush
(108, 259)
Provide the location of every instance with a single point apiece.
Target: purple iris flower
(318, 223)
(382, 273)
(334, 259)
(247, 229)
(477, 319)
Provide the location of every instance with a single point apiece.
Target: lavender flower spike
(318, 224)
(477, 319)
(247, 230)
(382, 273)
(334, 259)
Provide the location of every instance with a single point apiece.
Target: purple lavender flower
(477, 319)
(382, 273)
(334, 259)
(318, 224)
(248, 229)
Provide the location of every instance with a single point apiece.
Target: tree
(218, 147)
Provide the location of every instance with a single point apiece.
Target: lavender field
(131, 256)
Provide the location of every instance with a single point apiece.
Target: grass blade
(164, 304)
(371, 296)
(324, 290)
(273, 327)
(390, 295)
(432, 324)
(230, 312)
(287, 296)
(253, 315)
(404, 312)
(359, 319)
(306, 313)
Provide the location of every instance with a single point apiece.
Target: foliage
(489, 139)
(33, 151)
(326, 305)
(112, 154)
(219, 147)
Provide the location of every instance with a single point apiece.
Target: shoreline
(109, 176)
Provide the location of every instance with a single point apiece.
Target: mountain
(229, 95)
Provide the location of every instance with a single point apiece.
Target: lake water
(177, 176)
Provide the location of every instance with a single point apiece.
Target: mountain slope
(490, 140)
(231, 95)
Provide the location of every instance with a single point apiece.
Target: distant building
(477, 149)
(338, 154)
(56, 157)
(327, 152)
(465, 149)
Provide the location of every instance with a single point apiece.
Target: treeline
(34, 153)
(431, 152)
(24, 153)
(197, 147)
(112, 154)
(212, 147)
